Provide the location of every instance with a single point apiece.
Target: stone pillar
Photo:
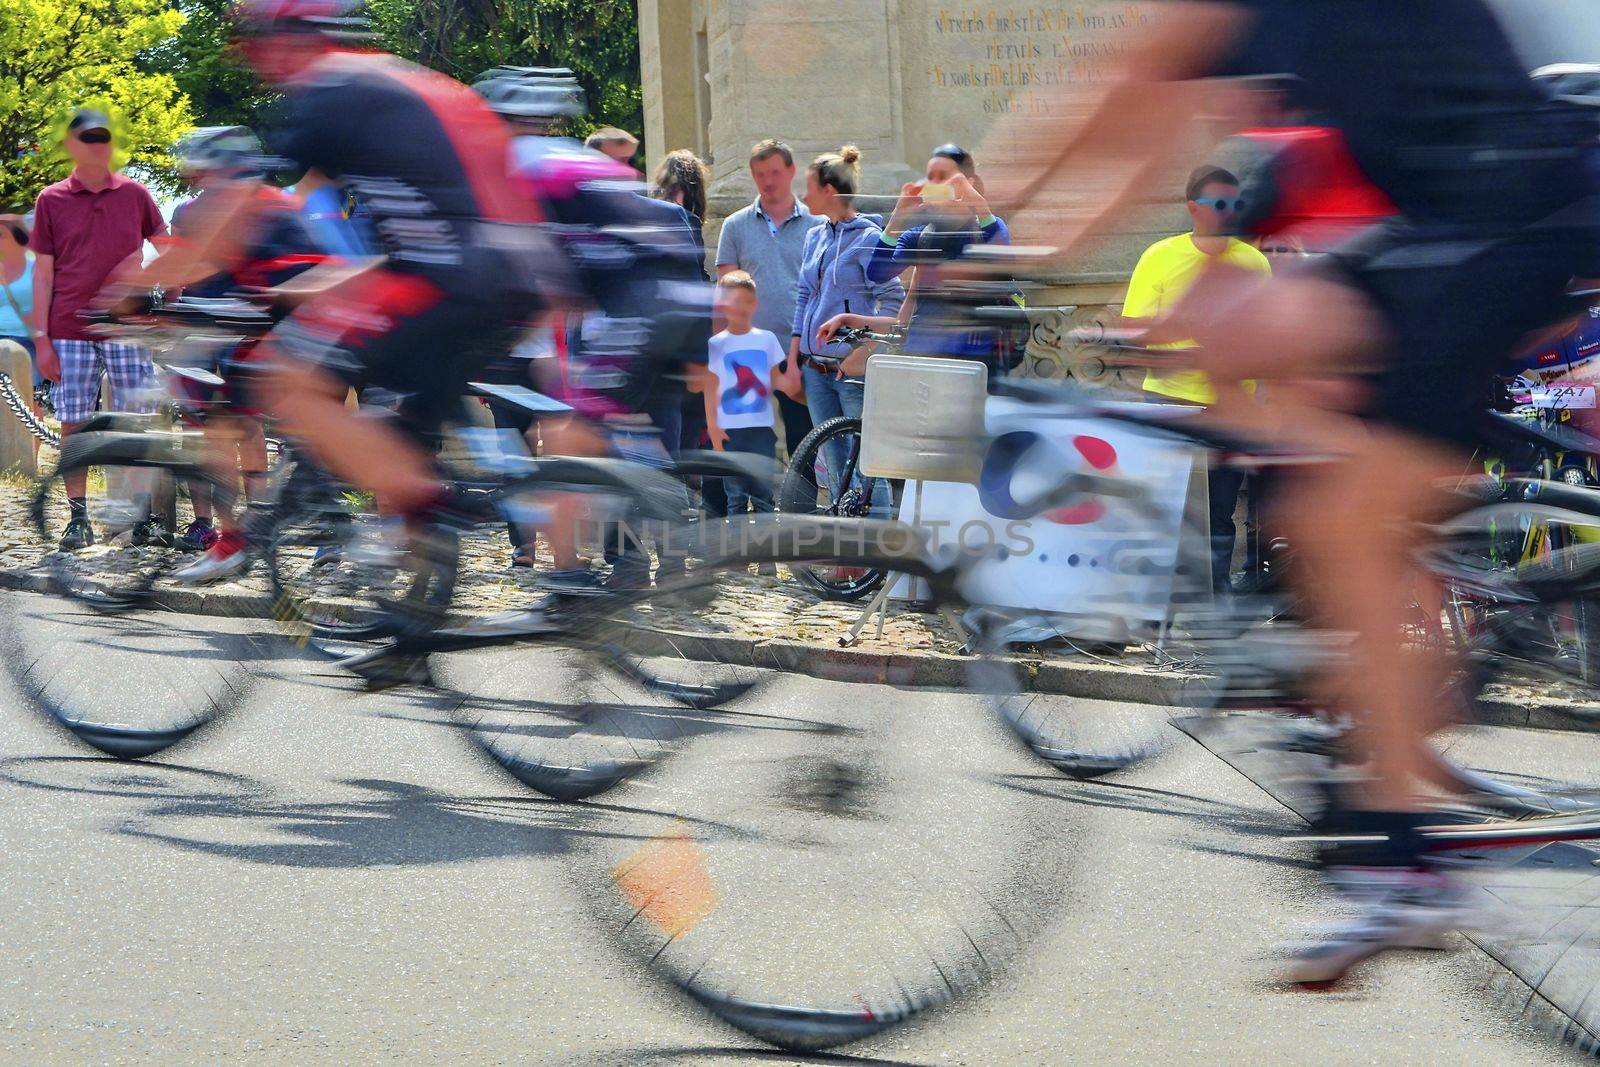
(16, 443)
(675, 88)
(818, 76)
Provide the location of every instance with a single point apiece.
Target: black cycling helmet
(341, 19)
(531, 92)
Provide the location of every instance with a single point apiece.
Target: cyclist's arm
(1104, 154)
(324, 278)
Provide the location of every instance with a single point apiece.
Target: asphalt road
(332, 876)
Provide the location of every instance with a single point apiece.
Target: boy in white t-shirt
(738, 380)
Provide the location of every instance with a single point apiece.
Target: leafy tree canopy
(59, 54)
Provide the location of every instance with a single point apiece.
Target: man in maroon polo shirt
(84, 229)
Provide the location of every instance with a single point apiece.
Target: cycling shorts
(405, 333)
(1456, 305)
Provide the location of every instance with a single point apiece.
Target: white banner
(1098, 556)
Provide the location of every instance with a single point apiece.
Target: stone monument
(896, 78)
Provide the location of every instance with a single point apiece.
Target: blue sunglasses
(1221, 203)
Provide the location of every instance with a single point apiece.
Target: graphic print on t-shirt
(748, 393)
(743, 364)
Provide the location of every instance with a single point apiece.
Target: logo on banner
(1017, 451)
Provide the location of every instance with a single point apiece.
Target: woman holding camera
(935, 221)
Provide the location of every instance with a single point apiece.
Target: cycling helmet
(332, 18)
(531, 92)
(1575, 83)
(229, 150)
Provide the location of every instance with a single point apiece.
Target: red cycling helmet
(332, 18)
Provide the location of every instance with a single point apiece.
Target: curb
(1089, 681)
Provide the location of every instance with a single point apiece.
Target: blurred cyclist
(459, 267)
(1495, 187)
(236, 232)
(646, 309)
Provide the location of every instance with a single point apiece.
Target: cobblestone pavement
(748, 606)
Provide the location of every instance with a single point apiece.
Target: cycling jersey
(1437, 109)
(422, 153)
(279, 246)
(636, 262)
(426, 160)
(1494, 182)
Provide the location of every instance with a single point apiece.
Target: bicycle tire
(797, 494)
(810, 777)
(97, 647)
(310, 548)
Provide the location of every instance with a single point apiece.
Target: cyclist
(459, 267)
(236, 232)
(647, 308)
(1494, 185)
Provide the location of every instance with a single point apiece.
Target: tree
(597, 39)
(221, 89)
(59, 54)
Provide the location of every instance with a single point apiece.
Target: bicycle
(816, 483)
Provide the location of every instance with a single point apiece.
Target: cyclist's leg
(399, 331)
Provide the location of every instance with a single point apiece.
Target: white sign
(1095, 556)
(1562, 397)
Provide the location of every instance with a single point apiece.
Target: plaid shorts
(83, 363)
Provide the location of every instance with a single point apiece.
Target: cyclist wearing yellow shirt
(1165, 273)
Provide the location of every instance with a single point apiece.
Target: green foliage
(58, 54)
(221, 89)
(598, 39)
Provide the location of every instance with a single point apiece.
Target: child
(741, 372)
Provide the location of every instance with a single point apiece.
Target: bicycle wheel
(811, 487)
(107, 645)
(838, 848)
(331, 561)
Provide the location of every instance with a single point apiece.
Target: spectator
(85, 229)
(620, 145)
(1164, 274)
(934, 221)
(681, 179)
(16, 286)
(765, 240)
(745, 367)
(834, 279)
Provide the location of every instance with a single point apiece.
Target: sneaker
(198, 536)
(1396, 908)
(151, 531)
(228, 555)
(541, 618)
(627, 577)
(580, 582)
(78, 534)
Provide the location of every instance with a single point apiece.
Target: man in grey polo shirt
(765, 239)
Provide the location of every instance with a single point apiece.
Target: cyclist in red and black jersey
(427, 160)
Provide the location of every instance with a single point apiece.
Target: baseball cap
(87, 118)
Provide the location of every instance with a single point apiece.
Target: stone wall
(896, 78)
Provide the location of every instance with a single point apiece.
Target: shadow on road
(390, 824)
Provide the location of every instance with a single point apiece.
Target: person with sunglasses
(1163, 275)
(87, 229)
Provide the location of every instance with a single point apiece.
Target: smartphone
(937, 192)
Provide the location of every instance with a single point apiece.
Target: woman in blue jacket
(835, 280)
(934, 221)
